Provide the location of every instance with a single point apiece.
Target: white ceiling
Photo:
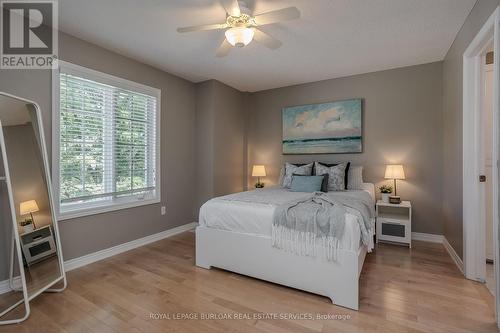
(333, 38)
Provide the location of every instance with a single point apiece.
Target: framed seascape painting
(327, 128)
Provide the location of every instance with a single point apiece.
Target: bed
(235, 235)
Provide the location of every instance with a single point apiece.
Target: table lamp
(258, 171)
(29, 207)
(395, 172)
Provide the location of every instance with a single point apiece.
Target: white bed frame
(254, 256)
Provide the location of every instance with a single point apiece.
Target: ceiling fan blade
(231, 6)
(223, 49)
(204, 27)
(285, 14)
(263, 38)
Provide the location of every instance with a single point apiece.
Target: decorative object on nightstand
(29, 207)
(395, 172)
(259, 171)
(386, 191)
(27, 225)
(394, 222)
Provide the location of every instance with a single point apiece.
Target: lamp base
(259, 185)
(395, 199)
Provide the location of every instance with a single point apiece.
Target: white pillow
(282, 175)
(291, 169)
(336, 175)
(355, 178)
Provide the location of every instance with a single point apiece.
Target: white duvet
(256, 218)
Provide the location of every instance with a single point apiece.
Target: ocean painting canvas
(327, 128)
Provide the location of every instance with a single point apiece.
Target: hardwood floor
(402, 290)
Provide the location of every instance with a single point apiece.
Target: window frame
(87, 209)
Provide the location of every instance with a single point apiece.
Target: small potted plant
(27, 225)
(386, 191)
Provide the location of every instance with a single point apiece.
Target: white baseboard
(5, 286)
(112, 251)
(442, 240)
(453, 255)
(433, 238)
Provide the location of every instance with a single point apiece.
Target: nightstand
(38, 244)
(394, 222)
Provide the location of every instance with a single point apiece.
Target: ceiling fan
(241, 26)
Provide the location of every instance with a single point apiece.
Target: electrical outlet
(163, 210)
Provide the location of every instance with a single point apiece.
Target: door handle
(482, 178)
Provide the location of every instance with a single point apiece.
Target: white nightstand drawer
(393, 231)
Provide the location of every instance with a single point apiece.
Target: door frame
(486, 163)
(474, 231)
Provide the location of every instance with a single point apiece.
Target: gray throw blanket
(317, 222)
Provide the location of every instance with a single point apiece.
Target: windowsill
(76, 213)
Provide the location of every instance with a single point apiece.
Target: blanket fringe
(305, 243)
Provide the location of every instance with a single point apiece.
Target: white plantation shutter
(108, 142)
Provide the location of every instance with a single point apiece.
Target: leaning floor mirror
(30, 262)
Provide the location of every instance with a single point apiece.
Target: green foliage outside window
(106, 139)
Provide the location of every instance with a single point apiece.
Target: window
(105, 142)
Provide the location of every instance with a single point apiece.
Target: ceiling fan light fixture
(239, 36)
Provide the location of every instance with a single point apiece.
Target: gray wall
(204, 142)
(220, 122)
(403, 123)
(452, 115)
(229, 130)
(92, 233)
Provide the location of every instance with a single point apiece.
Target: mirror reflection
(30, 209)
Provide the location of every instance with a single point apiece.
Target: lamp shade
(258, 171)
(27, 207)
(394, 171)
(239, 36)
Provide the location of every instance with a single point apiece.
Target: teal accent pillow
(306, 183)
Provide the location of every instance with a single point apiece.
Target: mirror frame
(16, 243)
